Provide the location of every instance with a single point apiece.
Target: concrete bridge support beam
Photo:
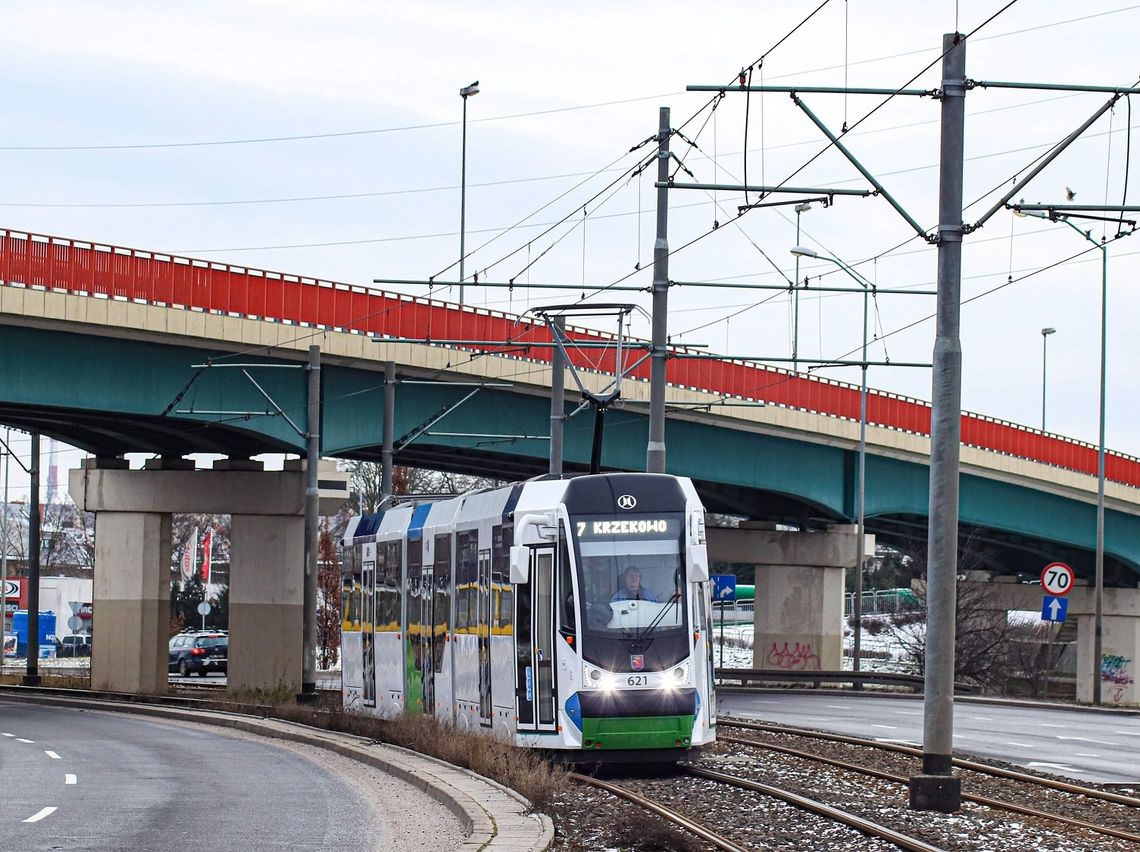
(799, 591)
(265, 603)
(132, 602)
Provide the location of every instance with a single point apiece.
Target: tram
(568, 614)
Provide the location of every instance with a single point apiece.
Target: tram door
(427, 644)
(483, 625)
(534, 644)
(368, 617)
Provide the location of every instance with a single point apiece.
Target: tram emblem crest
(626, 501)
(637, 662)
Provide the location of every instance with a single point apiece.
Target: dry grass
(523, 770)
(51, 681)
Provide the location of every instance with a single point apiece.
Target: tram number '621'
(637, 680)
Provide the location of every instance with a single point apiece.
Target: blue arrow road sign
(724, 587)
(1054, 608)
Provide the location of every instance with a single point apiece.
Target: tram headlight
(597, 679)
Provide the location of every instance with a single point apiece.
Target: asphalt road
(1086, 745)
(86, 780)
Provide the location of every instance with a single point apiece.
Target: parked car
(74, 646)
(199, 653)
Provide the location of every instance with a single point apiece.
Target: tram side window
(466, 580)
(416, 629)
(388, 586)
(565, 584)
(502, 614)
(442, 568)
(350, 582)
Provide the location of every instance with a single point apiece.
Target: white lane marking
(1126, 733)
(1086, 740)
(1048, 725)
(888, 727)
(1020, 745)
(896, 740)
(980, 718)
(7, 735)
(22, 740)
(908, 712)
(838, 706)
(51, 754)
(1062, 766)
(38, 816)
(70, 778)
(1086, 754)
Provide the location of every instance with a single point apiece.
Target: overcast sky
(107, 108)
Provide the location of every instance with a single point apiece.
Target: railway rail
(690, 825)
(1124, 810)
(864, 826)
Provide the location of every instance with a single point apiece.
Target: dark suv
(199, 653)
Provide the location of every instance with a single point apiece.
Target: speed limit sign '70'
(1057, 579)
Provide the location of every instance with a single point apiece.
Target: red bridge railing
(113, 272)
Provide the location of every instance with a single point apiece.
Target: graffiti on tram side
(1114, 670)
(797, 657)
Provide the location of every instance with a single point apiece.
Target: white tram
(568, 614)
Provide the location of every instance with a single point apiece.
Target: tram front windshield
(631, 574)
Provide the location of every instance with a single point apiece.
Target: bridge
(117, 350)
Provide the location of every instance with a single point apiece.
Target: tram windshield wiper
(652, 626)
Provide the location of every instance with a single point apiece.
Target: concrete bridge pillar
(1120, 650)
(799, 590)
(133, 565)
(133, 602)
(265, 602)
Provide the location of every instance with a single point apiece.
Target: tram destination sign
(647, 527)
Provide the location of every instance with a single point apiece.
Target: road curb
(495, 818)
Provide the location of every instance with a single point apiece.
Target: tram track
(829, 812)
(1124, 809)
(864, 826)
(680, 820)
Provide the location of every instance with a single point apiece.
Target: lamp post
(465, 93)
(802, 207)
(1098, 592)
(1045, 332)
(861, 486)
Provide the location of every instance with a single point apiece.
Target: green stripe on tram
(637, 732)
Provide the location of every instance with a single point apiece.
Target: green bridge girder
(113, 395)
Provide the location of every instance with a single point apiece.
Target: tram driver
(631, 588)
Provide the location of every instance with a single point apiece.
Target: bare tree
(365, 483)
(329, 608)
(982, 636)
(67, 535)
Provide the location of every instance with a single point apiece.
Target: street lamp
(1098, 592)
(802, 207)
(465, 93)
(861, 488)
(1045, 332)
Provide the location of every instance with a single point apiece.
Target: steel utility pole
(309, 598)
(32, 672)
(937, 788)
(655, 451)
(558, 399)
(389, 437)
